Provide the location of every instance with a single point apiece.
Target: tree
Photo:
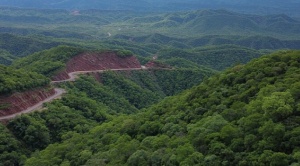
(140, 157)
(278, 106)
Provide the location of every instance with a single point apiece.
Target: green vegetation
(215, 57)
(248, 114)
(5, 57)
(124, 53)
(11, 149)
(48, 62)
(12, 80)
(20, 46)
(26, 31)
(87, 104)
(231, 118)
(238, 37)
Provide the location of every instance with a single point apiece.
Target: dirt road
(58, 93)
(74, 75)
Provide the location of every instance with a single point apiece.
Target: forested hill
(48, 62)
(248, 114)
(12, 80)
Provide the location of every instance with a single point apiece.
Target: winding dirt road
(59, 91)
(74, 75)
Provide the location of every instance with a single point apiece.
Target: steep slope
(12, 80)
(89, 103)
(97, 61)
(57, 62)
(21, 89)
(48, 62)
(246, 115)
(5, 57)
(214, 57)
(20, 101)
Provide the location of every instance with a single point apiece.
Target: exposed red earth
(29, 101)
(73, 75)
(20, 101)
(95, 62)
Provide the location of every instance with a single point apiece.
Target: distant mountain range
(289, 7)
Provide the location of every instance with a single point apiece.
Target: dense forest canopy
(12, 80)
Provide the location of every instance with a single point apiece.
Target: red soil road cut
(95, 62)
(23, 102)
(19, 102)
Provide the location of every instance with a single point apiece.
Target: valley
(80, 64)
(149, 83)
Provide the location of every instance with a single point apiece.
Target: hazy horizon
(289, 7)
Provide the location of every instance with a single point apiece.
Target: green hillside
(95, 24)
(248, 114)
(12, 80)
(214, 57)
(5, 57)
(221, 22)
(89, 103)
(223, 102)
(20, 46)
(48, 62)
(25, 31)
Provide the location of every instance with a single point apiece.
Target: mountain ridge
(267, 6)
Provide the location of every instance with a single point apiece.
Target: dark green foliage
(48, 62)
(75, 112)
(94, 90)
(160, 82)
(30, 130)
(20, 46)
(12, 80)
(215, 57)
(88, 103)
(175, 81)
(124, 53)
(11, 150)
(136, 95)
(248, 114)
(5, 57)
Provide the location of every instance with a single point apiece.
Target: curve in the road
(59, 91)
(73, 75)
